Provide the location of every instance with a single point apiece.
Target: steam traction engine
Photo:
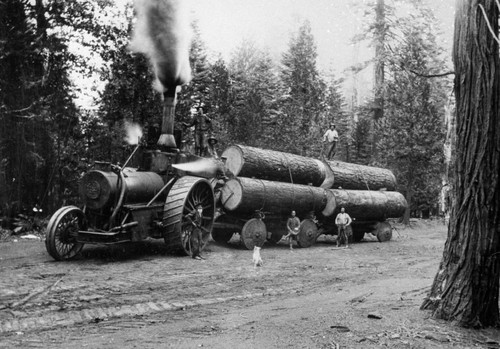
(155, 200)
(127, 204)
(123, 204)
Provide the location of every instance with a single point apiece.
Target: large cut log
(354, 176)
(244, 161)
(247, 195)
(368, 205)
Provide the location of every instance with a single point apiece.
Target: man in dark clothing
(292, 226)
(211, 150)
(195, 231)
(202, 124)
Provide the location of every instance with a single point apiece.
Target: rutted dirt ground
(138, 296)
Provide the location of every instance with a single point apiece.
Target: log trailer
(267, 185)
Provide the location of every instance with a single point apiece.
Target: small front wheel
(62, 232)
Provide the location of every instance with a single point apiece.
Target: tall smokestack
(163, 34)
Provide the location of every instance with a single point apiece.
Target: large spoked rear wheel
(62, 232)
(183, 234)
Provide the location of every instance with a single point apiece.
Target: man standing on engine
(202, 123)
(211, 150)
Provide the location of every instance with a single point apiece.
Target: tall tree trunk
(409, 194)
(379, 59)
(379, 77)
(466, 286)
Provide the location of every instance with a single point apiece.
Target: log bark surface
(361, 177)
(248, 195)
(244, 161)
(366, 205)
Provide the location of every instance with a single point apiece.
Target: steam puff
(199, 167)
(133, 133)
(163, 34)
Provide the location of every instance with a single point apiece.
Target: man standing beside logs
(343, 222)
(330, 139)
(292, 226)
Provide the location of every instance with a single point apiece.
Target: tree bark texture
(368, 205)
(466, 286)
(354, 176)
(247, 195)
(380, 29)
(244, 161)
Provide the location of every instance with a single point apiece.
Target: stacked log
(250, 162)
(360, 177)
(276, 183)
(369, 205)
(245, 161)
(246, 195)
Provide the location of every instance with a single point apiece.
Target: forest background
(48, 140)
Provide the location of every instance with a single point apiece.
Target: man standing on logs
(292, 226)
(343, 222)
(330, 139)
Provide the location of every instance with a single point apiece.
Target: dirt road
(138, 296)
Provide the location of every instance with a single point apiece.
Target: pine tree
(39, 118)
(410, 136)
(253, 91)
(304, 105)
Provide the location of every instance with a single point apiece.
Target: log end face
(234, 159)
(231, 194)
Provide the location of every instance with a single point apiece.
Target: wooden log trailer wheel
(308, 233)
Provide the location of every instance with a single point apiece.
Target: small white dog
(257, 260)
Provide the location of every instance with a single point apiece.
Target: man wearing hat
(201, 123)
(211, 151)
(330, 139)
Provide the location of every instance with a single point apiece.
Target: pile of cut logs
(266, 185)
